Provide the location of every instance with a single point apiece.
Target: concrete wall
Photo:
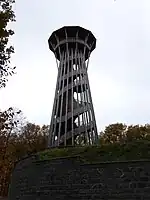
(70, 179)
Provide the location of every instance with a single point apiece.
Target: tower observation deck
(73, 119)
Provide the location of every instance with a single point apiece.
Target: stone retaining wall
(70, 179)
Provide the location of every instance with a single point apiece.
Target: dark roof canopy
(71, 32)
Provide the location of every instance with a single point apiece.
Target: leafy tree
(146, 130)
(138, 132)
(30, 135)
(6, 15)
(8, 123)
(17, 142)
(113, 133)
(121, 133)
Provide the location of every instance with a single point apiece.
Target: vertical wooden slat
(53, 111)
(72, 120)
(66, 121)
(93, 114)
(61, 102)
(58, 96)
(85, 85)
(82, 97)
(77, 68)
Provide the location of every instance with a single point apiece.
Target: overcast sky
(119, 68)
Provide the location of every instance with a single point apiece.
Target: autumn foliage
(121, 133)
(18, 138)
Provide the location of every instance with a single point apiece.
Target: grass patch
(92, 154)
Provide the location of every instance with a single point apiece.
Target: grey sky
(119, 68)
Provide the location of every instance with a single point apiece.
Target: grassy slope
(112, 152)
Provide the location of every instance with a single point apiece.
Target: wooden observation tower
(73, 119)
